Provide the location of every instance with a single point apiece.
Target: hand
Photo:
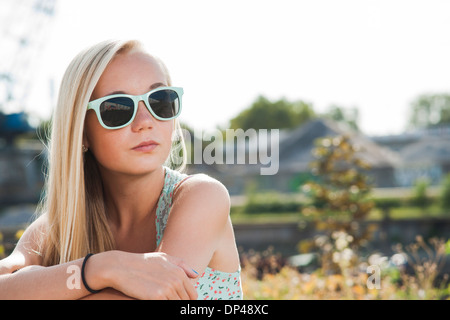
(151, 276)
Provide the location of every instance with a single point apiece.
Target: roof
(296, 146)
(430, 149)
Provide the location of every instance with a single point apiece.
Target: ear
(85, 140)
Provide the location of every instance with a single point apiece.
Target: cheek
(166, 140)
(111, 148)
(103, 144)
(106, 148)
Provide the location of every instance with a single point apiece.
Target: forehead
(131, 73)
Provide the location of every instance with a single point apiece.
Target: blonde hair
(77, 221)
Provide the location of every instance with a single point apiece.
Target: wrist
(97, 271)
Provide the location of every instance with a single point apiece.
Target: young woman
(115, 214)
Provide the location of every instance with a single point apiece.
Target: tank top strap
(172, 180)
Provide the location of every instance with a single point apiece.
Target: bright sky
(377, 55)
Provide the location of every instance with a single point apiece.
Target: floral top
(212, 284)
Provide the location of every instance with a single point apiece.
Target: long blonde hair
(73, 202)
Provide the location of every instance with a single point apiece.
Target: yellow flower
(359, 291)
(19, 233)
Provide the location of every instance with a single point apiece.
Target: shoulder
(204, 189)
(32, 239)
(201, 199)
(27, 250)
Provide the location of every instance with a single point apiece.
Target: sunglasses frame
(95, 105)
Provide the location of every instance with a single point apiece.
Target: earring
(84, 148)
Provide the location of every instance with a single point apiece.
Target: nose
(144, 119)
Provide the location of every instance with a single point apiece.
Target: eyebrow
(153, 86)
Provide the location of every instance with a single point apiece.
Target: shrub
(388, 203)
(445, 195)
(420, 197)
(356, 282)
(2, 247)
(270, 202)
(339, 197)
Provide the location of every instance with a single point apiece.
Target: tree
(429, 110)
(347, 115)
(265, 114)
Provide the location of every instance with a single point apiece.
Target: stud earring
(84, 148)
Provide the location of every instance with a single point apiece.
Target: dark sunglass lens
(165, 103)
(115, 112)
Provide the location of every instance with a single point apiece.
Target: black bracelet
(82, 275)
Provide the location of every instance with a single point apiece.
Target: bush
(2, 247)
(445, 195)
(388, 203)
(420, 197)
(378, 277)
(270, 202)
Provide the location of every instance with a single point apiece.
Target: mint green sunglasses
(118, 110)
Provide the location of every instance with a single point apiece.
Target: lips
(146, 146)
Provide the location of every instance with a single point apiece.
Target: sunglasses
(118, 110)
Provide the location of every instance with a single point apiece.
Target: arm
(147, 276)
(37, 282)
(199, 228)
(23, 277)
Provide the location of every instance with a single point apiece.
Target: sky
(377, 56)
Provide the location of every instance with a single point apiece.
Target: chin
(145, 168)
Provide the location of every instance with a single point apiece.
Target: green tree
(350, 116)
(266, 114)
(429, 110)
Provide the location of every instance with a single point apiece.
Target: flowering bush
(402, 276)
(2, 247)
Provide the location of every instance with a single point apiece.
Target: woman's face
(144, 145)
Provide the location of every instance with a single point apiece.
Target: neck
(129, 200)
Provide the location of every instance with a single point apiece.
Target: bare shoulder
(199, 221)
(35, 230)
(27, 249)
(205, 190)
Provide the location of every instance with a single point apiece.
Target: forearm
(37, 282)
(56, 282)
(120, 275)
(108, 294)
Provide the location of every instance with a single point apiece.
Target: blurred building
(396, 161)
(425, 154)
(21, 166)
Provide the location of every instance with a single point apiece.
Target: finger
(191, 291)
(175, 290)
(191, 273)
(182, 292)
(183, 284)
(175, 295)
